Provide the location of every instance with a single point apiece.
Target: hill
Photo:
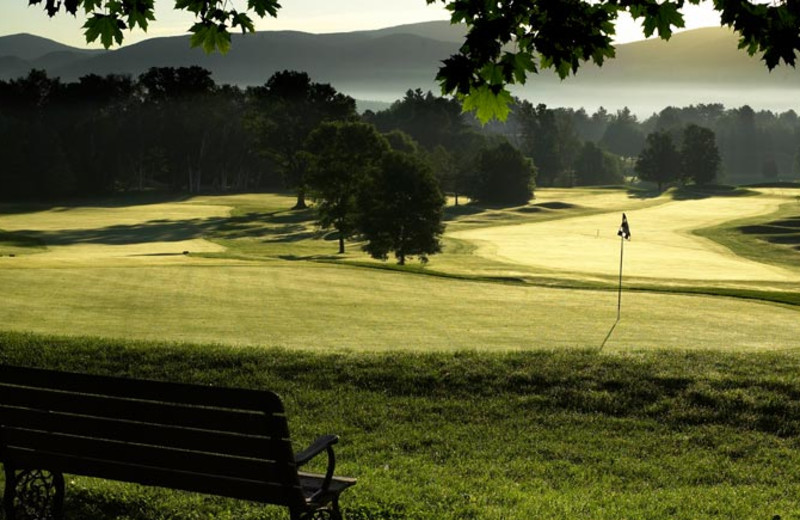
(702, 65)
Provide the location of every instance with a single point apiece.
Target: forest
(175, 129)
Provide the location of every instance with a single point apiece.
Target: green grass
(473, 387)
(318, 306)
(12, 243)
(773, 238)
(259, 274)
(551, 434)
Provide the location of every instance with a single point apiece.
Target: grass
(259, 274)
(321, 307)
(545, 434)
(777, 232)
(473, 387)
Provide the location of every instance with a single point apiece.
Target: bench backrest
(222, 441)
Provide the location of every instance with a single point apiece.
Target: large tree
(503, 176)
(595, 166)
(285, 111)
(343, 156)
(699, 155)
(507, 40)
(549, 138)
(660, 160)
(401, 209)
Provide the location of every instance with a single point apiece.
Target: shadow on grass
(281, 226)
(785, 231)
(711, 190)
(676, 389)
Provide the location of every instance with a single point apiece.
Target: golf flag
(624, 230)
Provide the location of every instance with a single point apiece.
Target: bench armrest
(324, 443)
(318, 446)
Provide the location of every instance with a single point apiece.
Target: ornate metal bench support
(33, 494)
(330, 512)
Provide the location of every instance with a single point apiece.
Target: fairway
(662, 246)
(121, 271)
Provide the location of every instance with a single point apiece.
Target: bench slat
(238, 398)
(250, 422)
(145, 433)
(149, 456)
(200, 483)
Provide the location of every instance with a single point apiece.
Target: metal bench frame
(221, 441)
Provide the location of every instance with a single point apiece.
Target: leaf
(140, 18)
(194, 6)
(92, 5)
(264, 7)
(211, 37)
(486, 104)
(106, 27)
(241, 19)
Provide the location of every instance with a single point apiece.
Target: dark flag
(624, 230)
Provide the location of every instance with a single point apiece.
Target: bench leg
(325, 513)
(33, 494)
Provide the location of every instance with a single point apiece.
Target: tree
(594, 166)
(659, 162)
(401, 209)
(503, 176)
(549, 138)
(430, 120)
(285, 111)
(344, 156)
(505, 43)
(769, 169)
(796, 163)
(699, 155)
(622, 135)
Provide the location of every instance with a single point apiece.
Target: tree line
(176, 129)
(572, 147)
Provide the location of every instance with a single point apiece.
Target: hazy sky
(317, 16)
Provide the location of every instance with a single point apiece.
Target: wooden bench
(221, 441)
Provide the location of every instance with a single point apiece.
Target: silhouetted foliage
(285, 111)
(344, 155)
(430, 120)
(699, 155)
(660, 161)
(549, 138)
(623, 135)
(401, 209)
(503, 176)
(595, 166)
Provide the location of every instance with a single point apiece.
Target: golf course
(494, 381)
(541, 276)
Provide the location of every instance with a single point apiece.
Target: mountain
(28, 47)
(702, 65)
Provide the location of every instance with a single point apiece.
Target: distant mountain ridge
(382, 64)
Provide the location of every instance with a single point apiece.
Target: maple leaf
(486, 104)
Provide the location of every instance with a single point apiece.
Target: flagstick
(619, 294)
(619, 291)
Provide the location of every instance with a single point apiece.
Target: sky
(315, 16)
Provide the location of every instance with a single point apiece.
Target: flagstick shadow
(614, 326)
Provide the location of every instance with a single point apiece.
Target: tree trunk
(301, 200)
(341, 243)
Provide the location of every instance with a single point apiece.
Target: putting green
(662, 245)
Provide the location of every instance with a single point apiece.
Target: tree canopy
(660, 161)
(506, 42)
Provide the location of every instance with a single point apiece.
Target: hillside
(702, 65)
